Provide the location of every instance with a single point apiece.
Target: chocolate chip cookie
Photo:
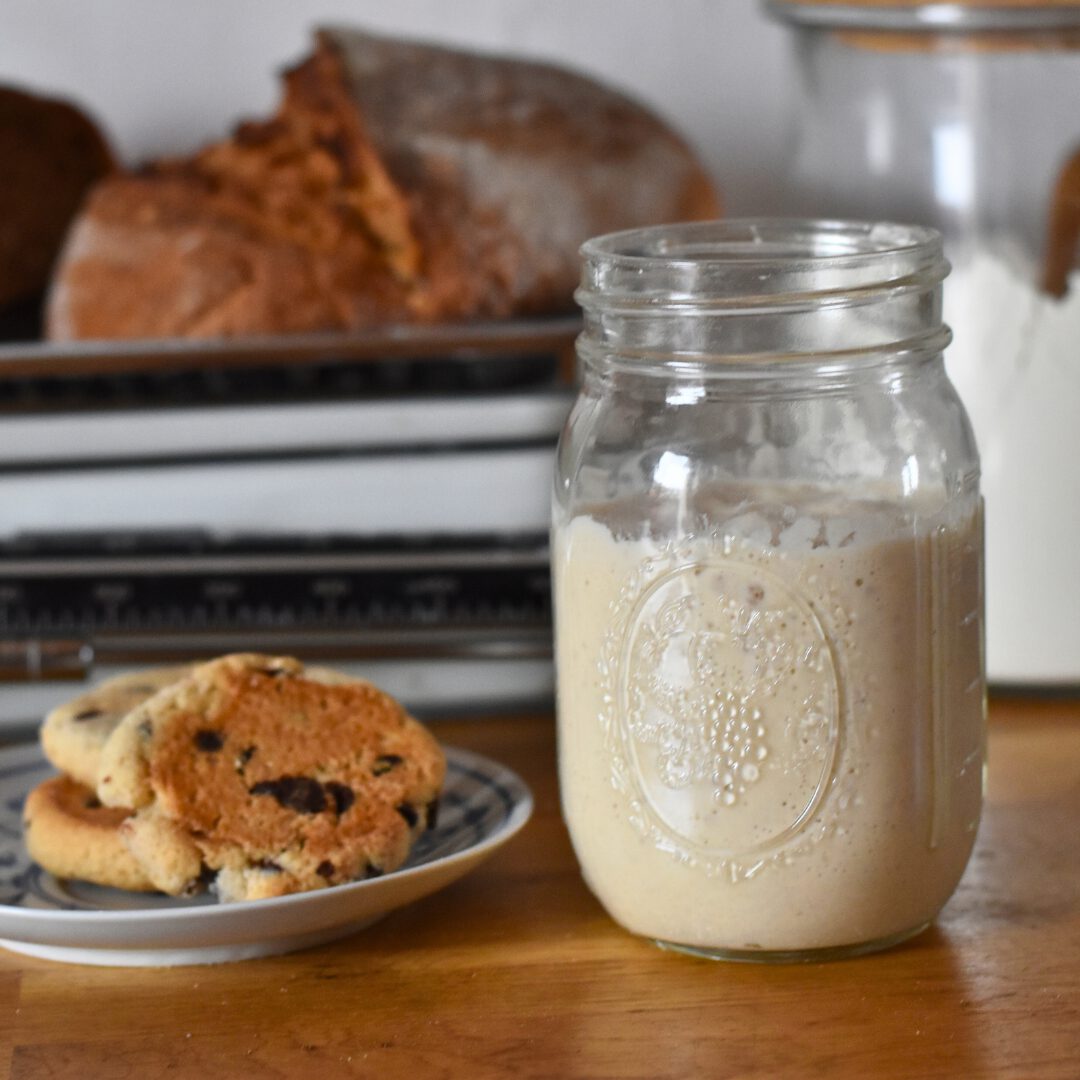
(254, 776)
(73, 734)
(69, 833)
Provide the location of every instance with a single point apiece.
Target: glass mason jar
(767, 563)
(963, 116)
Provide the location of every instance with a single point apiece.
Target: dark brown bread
(50, 154)
(397, 182)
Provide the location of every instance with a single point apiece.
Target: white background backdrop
(164, 76)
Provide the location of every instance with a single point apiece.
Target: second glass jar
(767, 564)
(961, 116)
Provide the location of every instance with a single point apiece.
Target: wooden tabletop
(515, 971)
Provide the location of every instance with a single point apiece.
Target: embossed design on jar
(726, 708)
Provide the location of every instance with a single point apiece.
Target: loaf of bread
(50, 154)
(397, 182)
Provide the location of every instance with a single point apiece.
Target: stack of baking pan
(379, 502)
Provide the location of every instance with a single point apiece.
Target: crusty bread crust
(50, 154)
(397, 182)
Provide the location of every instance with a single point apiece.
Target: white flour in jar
(771, 743)
(1015, 361)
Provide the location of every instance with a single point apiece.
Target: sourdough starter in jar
(771, 728)
(767, 563)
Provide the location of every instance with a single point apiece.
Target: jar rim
(745, 288)
(742, 263)
(927, 17)
(766, 242)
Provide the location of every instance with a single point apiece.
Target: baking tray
(395, 360)
(438, 610)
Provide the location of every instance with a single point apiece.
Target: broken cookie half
(258, 778)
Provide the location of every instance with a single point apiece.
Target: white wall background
(165, 75)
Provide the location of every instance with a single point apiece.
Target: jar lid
(961, 16)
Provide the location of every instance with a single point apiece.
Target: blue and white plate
(482, 806)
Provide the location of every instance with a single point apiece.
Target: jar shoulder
(902, 438)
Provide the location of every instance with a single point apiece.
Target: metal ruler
(71, 601)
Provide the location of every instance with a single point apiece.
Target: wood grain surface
(515, 971)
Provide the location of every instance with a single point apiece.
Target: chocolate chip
(209, 740)
(343, 797)
(409, 814)
(299, 793)
(373, 871)
(385, 762)
(244, 757)
(325, 869)
(203, 881)
(88, 714)
(92, 802)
